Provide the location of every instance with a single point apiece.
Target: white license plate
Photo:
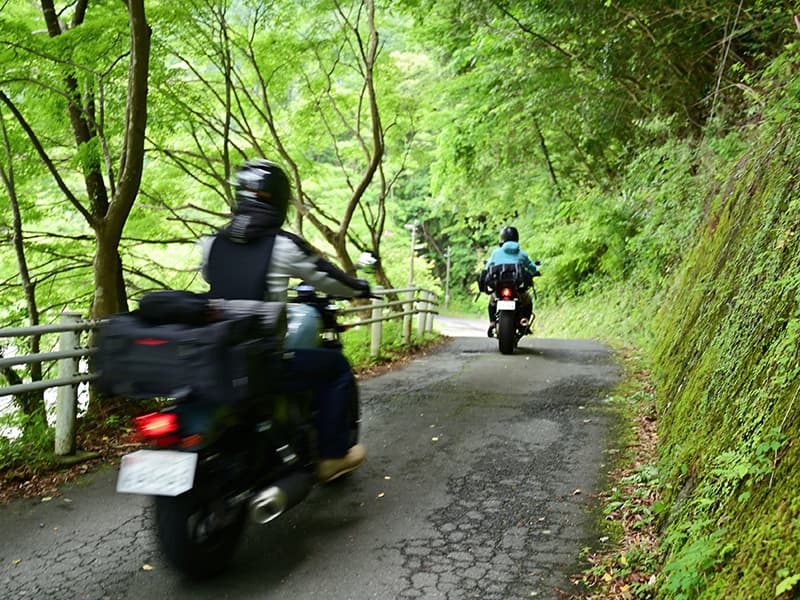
(156, 472)
(506, 305)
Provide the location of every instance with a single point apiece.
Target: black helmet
(509, 234)
(263, 181)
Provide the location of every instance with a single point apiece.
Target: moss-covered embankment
(728, 379)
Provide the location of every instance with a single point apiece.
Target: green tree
(299, 87)
(76, 69)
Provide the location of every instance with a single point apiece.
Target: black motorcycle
(227, 443)
(508, 286)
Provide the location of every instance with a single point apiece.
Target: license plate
(156, 472)
(506, 305)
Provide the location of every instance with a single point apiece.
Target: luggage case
(229, 360)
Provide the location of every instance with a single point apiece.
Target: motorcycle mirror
(367, 260)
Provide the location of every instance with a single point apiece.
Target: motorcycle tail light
(506, 292)
(156, 425)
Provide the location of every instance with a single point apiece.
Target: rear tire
(198, 536)
(506, 331)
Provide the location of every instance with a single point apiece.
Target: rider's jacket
(511, 254)
(253, 258)
(260, 267)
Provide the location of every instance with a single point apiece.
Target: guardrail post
(66, 405)
(408, 307)
(377, 327)
(429, 316)
(421, 315)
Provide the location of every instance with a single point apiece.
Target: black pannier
(504, 275)
(229, 360)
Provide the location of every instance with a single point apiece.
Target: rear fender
(202, 423)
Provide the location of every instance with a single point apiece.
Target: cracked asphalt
(478, 485)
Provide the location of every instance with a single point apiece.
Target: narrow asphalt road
(478, 485)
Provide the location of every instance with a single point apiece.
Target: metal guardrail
(417, 301)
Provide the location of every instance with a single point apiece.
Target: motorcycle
(227, 442)
(508, 285)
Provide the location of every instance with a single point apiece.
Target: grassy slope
(722, 337)
(727, 380)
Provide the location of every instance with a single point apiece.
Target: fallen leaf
(434, 439)
(576, 492)
(381, 494)
(16, 561)
(47, 499)
(387, 477)
(607, 577)
(147, 567)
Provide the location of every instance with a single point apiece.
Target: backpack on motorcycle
(175, 306)
(230, 360)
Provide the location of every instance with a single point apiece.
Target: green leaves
(787, 584)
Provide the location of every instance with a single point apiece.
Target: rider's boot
(330, 468)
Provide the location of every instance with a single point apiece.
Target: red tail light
(505, 292)
(156, 425)
(150, 342)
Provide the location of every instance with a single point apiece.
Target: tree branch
(46, 158)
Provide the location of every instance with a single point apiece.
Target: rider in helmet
(253, 258)
(510, 253)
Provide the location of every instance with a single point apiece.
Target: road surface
(477, 485)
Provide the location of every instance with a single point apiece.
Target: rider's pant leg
(328, 374)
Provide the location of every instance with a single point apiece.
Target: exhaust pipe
(272, 502)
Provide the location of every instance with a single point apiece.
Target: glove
(363, 289)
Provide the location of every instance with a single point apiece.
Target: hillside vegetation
(720, 332)
(727, 374)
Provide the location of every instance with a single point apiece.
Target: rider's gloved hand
(363, 290)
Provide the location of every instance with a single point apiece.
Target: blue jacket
(511, 254)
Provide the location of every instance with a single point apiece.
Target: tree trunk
(31, 403)
(109, 287)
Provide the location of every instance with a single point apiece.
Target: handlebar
(308, 293)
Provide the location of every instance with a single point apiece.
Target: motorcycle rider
(253, 258)
(510, 253)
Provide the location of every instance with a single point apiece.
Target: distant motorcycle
(227, 443)
(508, 286)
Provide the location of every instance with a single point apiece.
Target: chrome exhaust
(524, 322)
(275, 500)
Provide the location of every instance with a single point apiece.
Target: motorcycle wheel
(198, 536)
(506, 331)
